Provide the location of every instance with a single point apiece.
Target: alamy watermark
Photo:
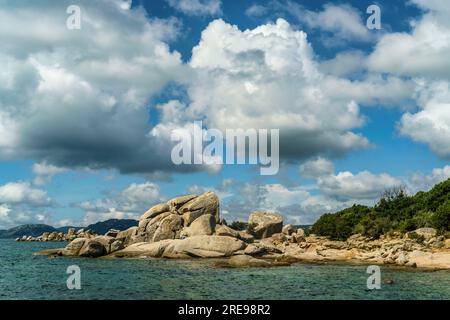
(73, 21)
(374, 280)
(234, 146)
(74, 280)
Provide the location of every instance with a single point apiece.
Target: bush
(396, 211)
(442, 217)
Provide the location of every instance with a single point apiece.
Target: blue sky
(86, 115)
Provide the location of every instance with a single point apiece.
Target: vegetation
(396, 211)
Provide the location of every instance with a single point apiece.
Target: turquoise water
(24, 276)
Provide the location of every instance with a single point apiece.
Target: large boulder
(203, 247)
(106, 241)
(144, 249)
(155, 210)
(207, 203)
(128, 236)
(74, 247)
(288, 229)
(427, 233)
(203, 225)
(92, 249)
(169, 228)
(264, 224)
(177, 203)
(223, 230)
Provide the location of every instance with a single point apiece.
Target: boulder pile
(190, 227)
(60, 236)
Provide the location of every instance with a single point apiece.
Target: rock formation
(190, 227)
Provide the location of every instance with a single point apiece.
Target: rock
(335, 244)
(74, 247)
(106, 241)
(112, 233)
(204, 247)
(207, 203)
(178, 202)
(245, 261)
(300, 232)
(427, 233)
(92, 249)
(401, 259)
(116, 246)
(127, 235)
(223, 230)
(154, 211)
(253, 250)
(447, 244)
(169, 228)
(278, 238)
(144, 249)
(203, 225)
(264, 224)
(245, 236)
(80, 231)
(288, 229)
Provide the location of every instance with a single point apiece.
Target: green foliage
(442, 217)
(396, 211)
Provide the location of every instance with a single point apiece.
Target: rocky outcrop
(190, 227)
(264, 224)
(59, 236)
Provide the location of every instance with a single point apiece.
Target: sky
(86, 114)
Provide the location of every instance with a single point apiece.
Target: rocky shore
(190, 227)
(71, 235)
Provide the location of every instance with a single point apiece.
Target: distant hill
(26, 230)
(396, 211)
(35, 230)
(118, 224)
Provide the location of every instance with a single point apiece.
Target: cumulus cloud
(44, 173)
(316, 168)
(363, 185)
(343, 21)
(130, 203)
(78, 98)
(197, 7)
(431, 124)
(423, 182)
(23, 193)
(424, 51)
(267, 78)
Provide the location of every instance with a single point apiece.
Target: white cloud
(23, 193)
(316, 168)
(256, 10)
(78, 98)
(235, 87)
(424, 51)
(363, 185)
(44, 172)
(431, 124)
(344, 64)
(197, 7)
(422, 182)
(130, 203)
(343, 21)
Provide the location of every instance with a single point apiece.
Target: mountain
(396, 211)
(35, 230)
(26, 230)
(118, 224)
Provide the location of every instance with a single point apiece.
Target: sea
(27, 276)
